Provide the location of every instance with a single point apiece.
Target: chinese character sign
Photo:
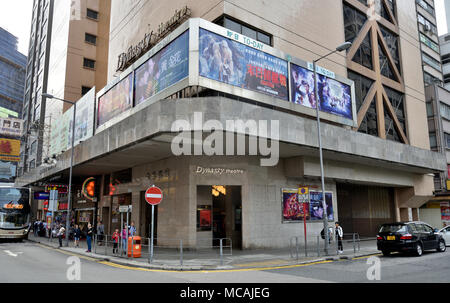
(231, 62)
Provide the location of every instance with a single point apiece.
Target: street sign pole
(153, 196)
(151, 235)
(303, 197)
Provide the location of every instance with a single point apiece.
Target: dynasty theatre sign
(150, 39)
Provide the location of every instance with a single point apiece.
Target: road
(31, 262)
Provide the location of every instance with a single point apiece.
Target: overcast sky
(15, 17)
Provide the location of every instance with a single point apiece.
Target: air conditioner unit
(427, 28)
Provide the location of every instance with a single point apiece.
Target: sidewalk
(210, 259)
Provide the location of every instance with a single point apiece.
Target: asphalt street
(26, 262)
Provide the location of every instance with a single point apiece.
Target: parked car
(446, 234)
(413, 237)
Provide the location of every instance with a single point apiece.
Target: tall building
(12, 82)
(203, 66)
(67, 57)
(12, 75)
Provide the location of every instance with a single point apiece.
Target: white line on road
(12, 254)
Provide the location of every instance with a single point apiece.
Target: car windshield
(393, 228)
(14, 207)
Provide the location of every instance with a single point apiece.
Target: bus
(15, 212)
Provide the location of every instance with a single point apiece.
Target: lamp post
(340, 48)
(45, 95)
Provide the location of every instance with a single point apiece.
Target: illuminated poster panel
(335, 97)
(117, 100)
(231, 62)
(167, 67)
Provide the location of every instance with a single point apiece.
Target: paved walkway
(209, 259)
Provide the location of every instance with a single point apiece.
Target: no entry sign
(153, 195)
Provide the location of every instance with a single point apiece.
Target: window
(447, 140)
(446, 78)
(85, 90)
(425, 40)
(433, 141)
(427, 24)
(431, 62)
(91, 14)
(445, 58)
(429, 79)
(89, 63)
(445, 111)
(244, 29)
(92, 39)
(429, 106)
(426, 6)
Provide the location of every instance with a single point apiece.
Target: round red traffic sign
(153, 195)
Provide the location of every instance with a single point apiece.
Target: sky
(15, 17)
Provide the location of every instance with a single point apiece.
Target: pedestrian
(339, 237)
(330, 234)
(100, 233)
(77, 235)
(89, 233)
(132, 230)
(124, 237)
(60, 234)
(115, 238)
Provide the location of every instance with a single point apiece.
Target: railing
(170, 251)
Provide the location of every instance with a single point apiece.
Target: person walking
(124, 237)
(76, 236)
(89, 234)
(60, 234)
(115, 237)
(132, 230)
(339, 237)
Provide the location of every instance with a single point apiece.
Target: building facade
(12, 82)
(67, 58)
(195, 66)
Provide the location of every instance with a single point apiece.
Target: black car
(413, 237)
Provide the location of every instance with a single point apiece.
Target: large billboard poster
(115, 101)
(335, 96)
(84, 117)
(167, 67)
(9, 150)
(316, 206)
(292, 208)
(231, 62)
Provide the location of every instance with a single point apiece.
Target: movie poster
(117, 100)
(228, 61)
(335, 97)
(316, 206)
(292, 208)
(165, 68)
(445, 211)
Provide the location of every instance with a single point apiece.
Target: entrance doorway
(146, 219)
(219, 214)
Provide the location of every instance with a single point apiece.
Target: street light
(45, 95)
(340, 48)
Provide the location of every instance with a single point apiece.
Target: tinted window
(412, 228)
(448, 229)
(394, 228)
(420, 228)
(427, 228)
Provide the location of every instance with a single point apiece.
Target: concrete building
(67, 57)
(12, 82)
(377, 160)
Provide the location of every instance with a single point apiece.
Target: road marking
(366, 257)
(12, 254)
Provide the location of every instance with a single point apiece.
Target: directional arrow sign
(153, 195)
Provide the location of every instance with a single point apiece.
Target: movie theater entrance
(219, 215)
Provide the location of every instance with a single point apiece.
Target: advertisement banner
(292, 208)
(231, 62)
(165, 68)
(334, 96)
(316, 207)
(11, 127)
(84, 117)
(9, 150)
(445, 211)
(115, 101)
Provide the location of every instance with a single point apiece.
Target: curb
(205, 268)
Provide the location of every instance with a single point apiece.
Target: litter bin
(134, 247)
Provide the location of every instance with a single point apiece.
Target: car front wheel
(441, 246)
